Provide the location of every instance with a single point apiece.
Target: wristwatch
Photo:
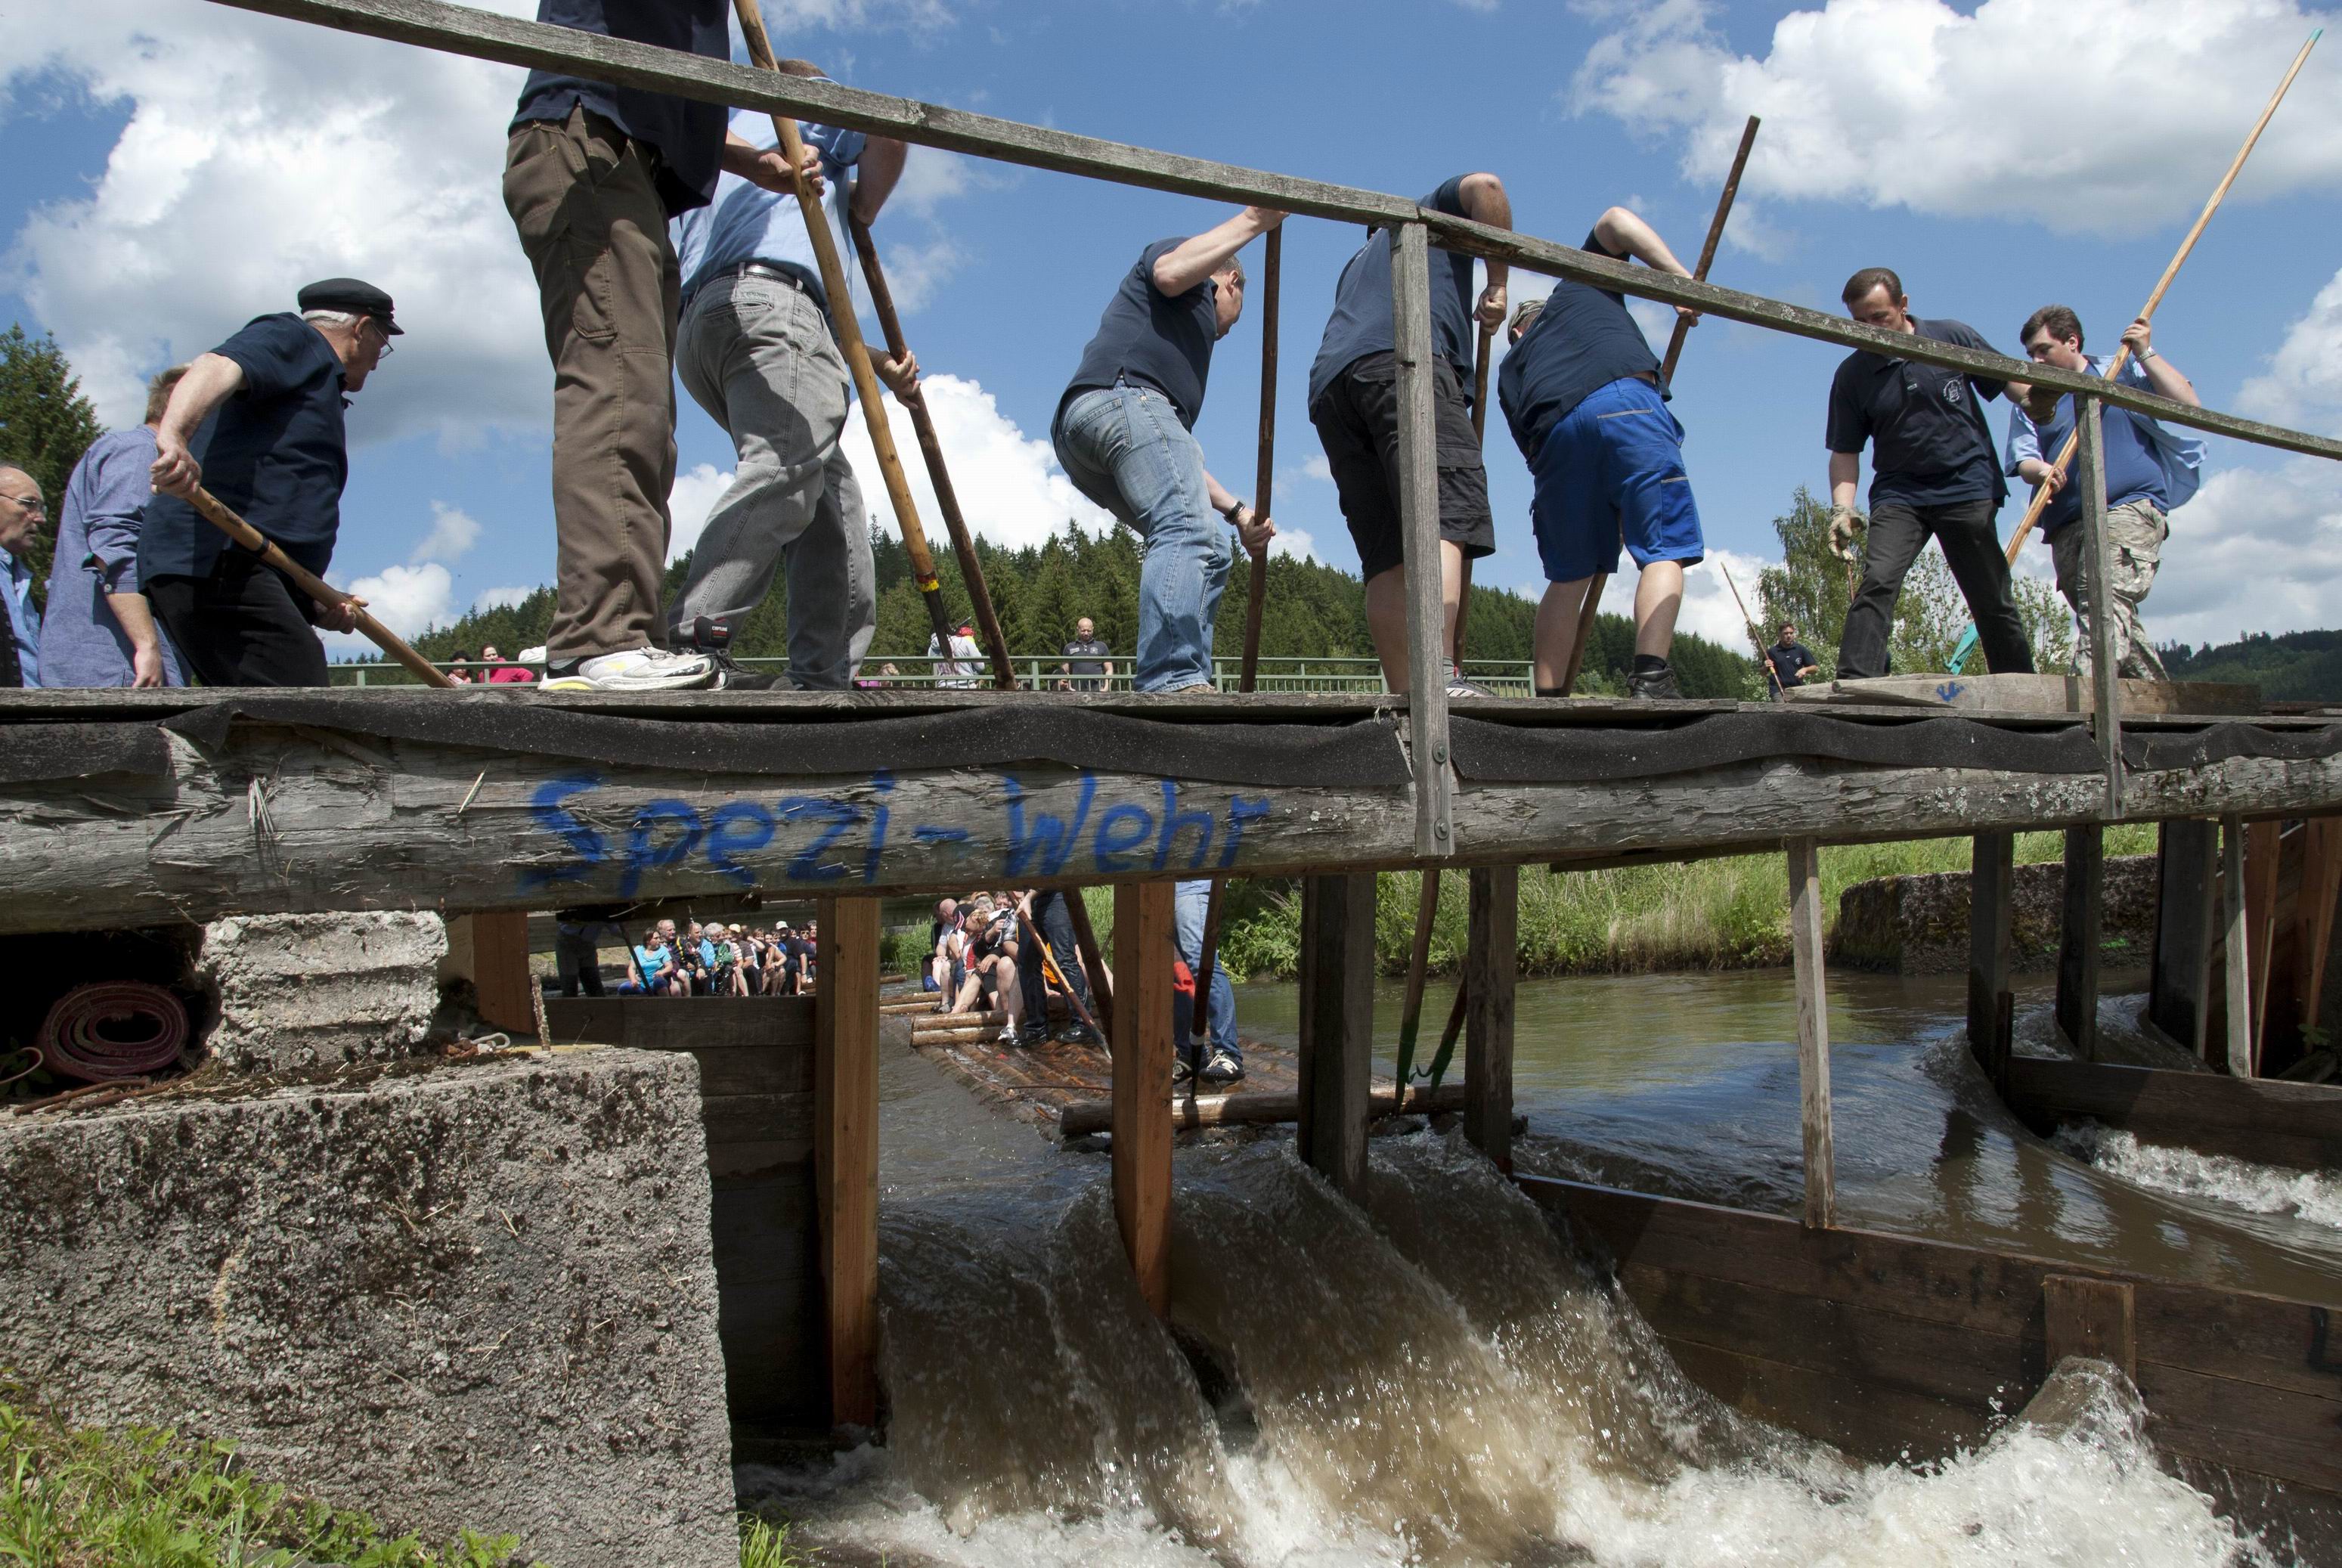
(1234, 507)
(2146, 354)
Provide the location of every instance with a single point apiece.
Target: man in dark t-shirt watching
(1354, 403)
(1933, 473)
(1581, 390)
(1086, 657)
(1793, 662)
(1124, 435)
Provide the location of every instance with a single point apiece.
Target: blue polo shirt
(272, 452)
(2134, 468)
(1580, 343)
(1361, 324)
(688, 135)
(1933, 447)
(748, 222)
(1149, 336)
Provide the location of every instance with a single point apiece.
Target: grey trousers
(756, 354)
(2135, 531)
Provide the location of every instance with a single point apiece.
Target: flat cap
(351, 294)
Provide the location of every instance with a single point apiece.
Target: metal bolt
(1440, 830)
(1440, 753)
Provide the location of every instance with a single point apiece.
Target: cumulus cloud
(451, 537)
(409, 600)
(916, 273)
(1710, 609)
(499, 599)
(1008, 482)
(1910, 102)
(2257, 550)
(2304, 384)
(695, 495)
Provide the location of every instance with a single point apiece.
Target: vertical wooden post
(2238, 951)
(846, 1151)
(1337, 1026)
(1812, 1032)
(500, 971)
(2090, 1317)
(2081, 937)
(1145, 946)
(1991, 952)
(2179, 994)
(1490, 962)
(1419, 484)
(2264, 856)
(2105, 689)
(2315, 909)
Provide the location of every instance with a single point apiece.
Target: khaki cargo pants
(2135, 531)
(585, 198)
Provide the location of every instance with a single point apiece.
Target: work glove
(1844, 523)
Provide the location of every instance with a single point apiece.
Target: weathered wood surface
(1992, 952)
(1491, 966)
(1418, 506)
(1145, 951)
(1258, 1107)
(1812, 1032)
(1337, 1027)
(845, 1153)
(2265, 854)
(2179, 986)
(514, 41)
(2268, 1120)
(500, 971)
(2090, 1317)
(2014, 693)
(2081, 933)
(2235, 949)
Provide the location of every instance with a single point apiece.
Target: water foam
(2312, 1195)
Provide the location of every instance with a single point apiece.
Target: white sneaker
(635, 670)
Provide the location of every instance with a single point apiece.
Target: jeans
(241, 626)
(1124, 447)
(1899, 532)
(2135, 531)
(756, 354)
(1056, 928)
(1190, 905)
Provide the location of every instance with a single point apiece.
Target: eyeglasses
(32, 504)
(382, 332)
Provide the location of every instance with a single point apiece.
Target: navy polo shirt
(1581, 342)
(1933, 447)
(272, 452)
(1787, 660)
(688, 135)
(1152, 337)
(1361, 324)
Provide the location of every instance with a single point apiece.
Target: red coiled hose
(113, 1029)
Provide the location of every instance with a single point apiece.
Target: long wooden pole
(1754, 634)
(2122, 355)
(849, 340)
(1264, 473)
(219, 515)
(1419, 969)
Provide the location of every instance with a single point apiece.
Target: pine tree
(45, 424)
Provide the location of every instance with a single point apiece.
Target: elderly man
(757, 351)
(258, 419)
(1582, 393)
(2149, 471)
(1124, 433)
(22, 510)
(99, 630)
(1086, 657)
(1933, 473)
(1354, 403)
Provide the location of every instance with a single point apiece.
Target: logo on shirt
(1952, 389)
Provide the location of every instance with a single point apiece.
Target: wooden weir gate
(132, 808)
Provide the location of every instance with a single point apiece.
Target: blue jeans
(1124, 447)
(1189, 908)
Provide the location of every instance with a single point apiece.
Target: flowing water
(1439, 1377)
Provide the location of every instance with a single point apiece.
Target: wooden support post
(1145, 946)
(1418, 485)
(2264, 853)
(2090, 1317)
(1991, 952)
(2179, 992)
(1812, 1032)
(1337, 1026)
(2238, 949)
(1490, 961)
(500, 971)
(2081, 938)
(845, 1152)
(2105, 705)
(2314, 908)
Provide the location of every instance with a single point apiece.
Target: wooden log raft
(1256, 1107)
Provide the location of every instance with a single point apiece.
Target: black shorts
(1357, 421)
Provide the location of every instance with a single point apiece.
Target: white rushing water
(2312, 1195)
(1436, 1378)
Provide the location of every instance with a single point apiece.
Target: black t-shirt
(688, 134)
(1581, 342)
(1361, 324)
(1787, 660)
(1149, 336)
(1086, 657)
(1933, 446)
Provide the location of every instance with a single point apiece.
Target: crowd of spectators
(712, 959)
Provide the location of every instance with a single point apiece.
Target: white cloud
(916, 273)
(2257, 550)
(1297, 543)
(695, 495)
(1008, 484)
(2136, 111)
(1710, 609)
(408, 600)
(499, 599)
(2304, 385)
(1318, 468)
(453, 533)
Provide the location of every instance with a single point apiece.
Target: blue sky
(173, 167)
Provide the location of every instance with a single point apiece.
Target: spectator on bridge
(962, 664)
(459, 667)
(22, 510)
(1086, 659)
(1221, 1061)
(99, 630)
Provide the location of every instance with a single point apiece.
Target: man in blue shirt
(1124, 435)
(756, 350)
(21, 513)
(258, 421)
(1581, 390)
(2149, 471)
(99, 630)
(1934, 472)
(1354, 403)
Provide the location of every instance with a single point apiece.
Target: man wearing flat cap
(258, 422)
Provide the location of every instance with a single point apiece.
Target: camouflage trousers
(2135, 534)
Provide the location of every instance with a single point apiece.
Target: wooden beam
(2090, 1317)
(500, 971)
(1144, 948)
(2081, 938)
(1419, 506)
(2179, 988)
(845, 1152)
(2237, 950)
(1491, 961)
(2106, 701)
(2315, 910)
(1812, 1032)
(2263, 855)
(1254, 1107)
(2266, 1120)
(1992, 883)
(1336, 1026)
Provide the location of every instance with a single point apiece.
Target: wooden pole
(2314, 908)
(1490, 964)
(1144, 948)
(845, 1152)
(1337, 1003)
(2179, 992)
(2121, 355)
(971, 570)
(1812, 1032)
(2081, 933)
(1991, 952)
(1418, 474)
(1419, 969)
(2236, 953)
(2264, 853)
(220, 516)
(1707, 249)
(500, 975)
(1264, 474)
(849, 340)
(1755, 635)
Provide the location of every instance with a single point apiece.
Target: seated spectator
(938, 975)
(459, 668)
(500, 674)
(655, 967)
(804, 947)
(727, 972)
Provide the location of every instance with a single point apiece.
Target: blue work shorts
(1611, 471)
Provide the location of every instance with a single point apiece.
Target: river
(1438, 1378)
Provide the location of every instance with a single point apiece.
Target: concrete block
(307, 991)
(1919, 924)
(477, 1295)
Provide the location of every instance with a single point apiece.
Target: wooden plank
(2315, 912)
(2264, 854)
(1336, 1027)
(1255, 1107)
(1881, 1426)
(2081, 938)
(2031, 694)
(845, 1152)
(2266, 1120)
(781, 1124)
(2179, 989)
(2105, 697)
(1812, 1032)
(500, 971)
(2237, 950)
(1145, 949)
(1992, 959)
(769, 1300)
(2090, 1317)
(1491, 963)
(708, 1023)
(1418, 506)
(2295, 1437)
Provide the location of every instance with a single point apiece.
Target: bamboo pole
(971, 571)
(849, 340)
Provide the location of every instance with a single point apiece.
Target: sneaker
(1457, 686)
(1078, 1033)
(1028, 1039)
(1655, 686)
(731, 676)
(1182, 1070)
(1223, 1068)
(635, 670)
